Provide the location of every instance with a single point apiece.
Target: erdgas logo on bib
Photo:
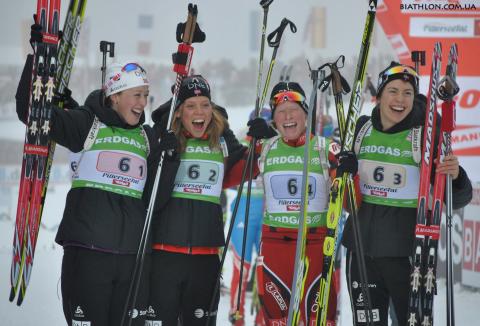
(121, 139)
(392, 151)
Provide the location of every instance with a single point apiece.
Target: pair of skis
(427, 230)
(345, 182)
(52, 67)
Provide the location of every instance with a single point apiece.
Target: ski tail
(18, 237)
(423, 231)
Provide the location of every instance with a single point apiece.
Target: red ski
(36, 148)
(422, 230)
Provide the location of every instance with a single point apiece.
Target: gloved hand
(36, 35)
(347, 162)
(66, 98)
(259, 129)
(168, 141)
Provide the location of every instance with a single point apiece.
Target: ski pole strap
(275, 36)
(190, 32)
(339, 83)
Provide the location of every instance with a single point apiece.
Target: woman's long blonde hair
(214, 130)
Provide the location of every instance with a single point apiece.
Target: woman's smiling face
(195, 114)
(290, 120)
(396, 102)
(130, 103)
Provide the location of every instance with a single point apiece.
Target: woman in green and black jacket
(187, 232)
(387, 213)
(104, 212)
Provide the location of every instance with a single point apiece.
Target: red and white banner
(412, 25)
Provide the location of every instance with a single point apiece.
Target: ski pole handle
(275, 37)
(106, 47)
(340, 84)
(265, 4)
(186, 33)
(418, 58)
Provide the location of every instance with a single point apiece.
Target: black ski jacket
(389, 231)
(95, 218)
(186, 222)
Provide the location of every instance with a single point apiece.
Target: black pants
(388, 278)
(95, 287)
(181, 289)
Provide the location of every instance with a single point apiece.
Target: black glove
(347, 162)
(259, 129)
(168, 141)
(23, 90)
(36, 35)
(198, 34)
(66, 98)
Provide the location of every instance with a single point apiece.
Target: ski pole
(339, 183)
(347, 143)
(186, 35)
(265, 5)
(447, 90)
(301, 261)
(227, 240)
(106, 47)
(339, 87)
(273, 39)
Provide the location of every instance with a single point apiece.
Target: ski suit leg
(89, 286)
(166, 277)
(198, 290)
(378, 291)
(396, 273)
(181, 288)
(125, 265)
(275, 274)
(272, 281)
